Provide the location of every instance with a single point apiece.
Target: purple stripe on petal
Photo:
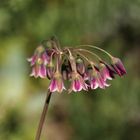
(32, 60)
(52, 86)
(59, 84)
(121, 68)
(100, 81)
(118, 66)
(116, 70)
(77, 85)
(84, 86)
(111, 71)
(93, 84)
(105, 74)
(45, 58)
(42, 71)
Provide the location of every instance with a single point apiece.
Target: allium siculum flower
(82, 68)
(96, 78)
(56, 83)
(106, 72)
(38, 62)
(77, 83)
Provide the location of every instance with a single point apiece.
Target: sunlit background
(111, 114)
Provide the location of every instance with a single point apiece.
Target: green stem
(84, 50)
(95, 47)
(42, 119)
(72, 60)
(53, 38)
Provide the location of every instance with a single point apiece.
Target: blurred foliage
(111, 114)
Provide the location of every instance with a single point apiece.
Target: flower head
(77, 66)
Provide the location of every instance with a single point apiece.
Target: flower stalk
(42, 118)
(97, 48)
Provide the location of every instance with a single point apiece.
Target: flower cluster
(82, 69)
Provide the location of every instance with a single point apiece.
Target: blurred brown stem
(42, 118)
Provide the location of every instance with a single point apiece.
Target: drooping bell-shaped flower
(38, 62)
(105, 72)
(56, 83)
(39, 55)
(96, 79)
(33, 59)
(39, 71)
(77, 83)
(118, 66)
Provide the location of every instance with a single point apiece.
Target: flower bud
(118, 66)
(80, 66)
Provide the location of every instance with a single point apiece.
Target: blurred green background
(111, 114)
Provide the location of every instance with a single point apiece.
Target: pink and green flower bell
(56, 83)
(38, 62)
(77, 83)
